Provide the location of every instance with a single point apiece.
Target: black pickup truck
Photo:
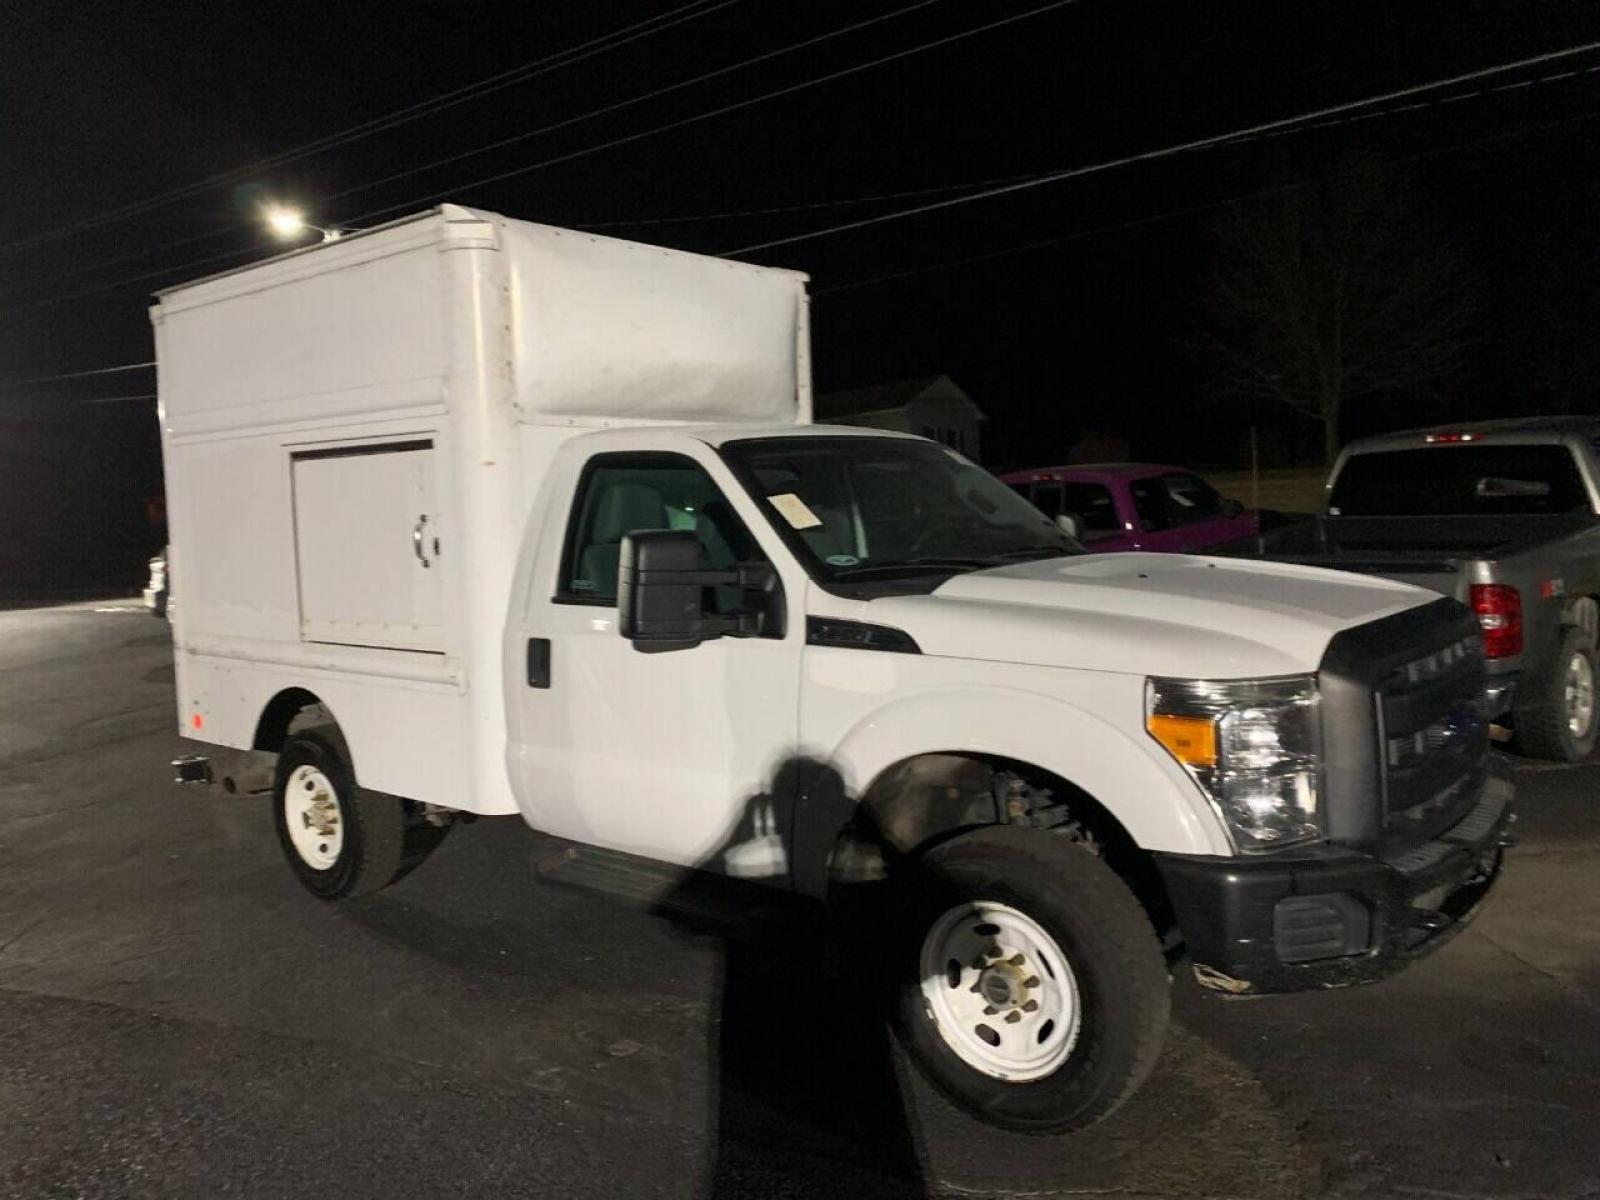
(1505, 517)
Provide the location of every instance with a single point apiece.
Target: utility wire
(633, 100)
(552, 62)
(132, 279)
(114, 399)
(1278, 128)
(716, 112)
(1187, 210)
(81, 374)
(841, 202)
(562, 124)
(1006, 251)
(778, 210)
(1237, 135)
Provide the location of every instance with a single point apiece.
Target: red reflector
(197, 721)
(1499, 609)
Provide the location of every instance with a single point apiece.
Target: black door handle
(539, 662)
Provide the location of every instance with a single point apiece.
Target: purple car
(1136, 506)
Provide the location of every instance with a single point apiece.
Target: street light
(289, 223)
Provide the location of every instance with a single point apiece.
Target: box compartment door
(367, 546)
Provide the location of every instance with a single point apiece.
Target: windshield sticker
(841, 560)
(794, 511)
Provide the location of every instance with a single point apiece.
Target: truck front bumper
(1255, 926)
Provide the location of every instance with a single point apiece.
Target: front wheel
(1034, 992)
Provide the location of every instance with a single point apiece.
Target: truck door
(674, 755)
(367, 539)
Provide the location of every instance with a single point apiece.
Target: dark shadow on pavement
(803, 1042)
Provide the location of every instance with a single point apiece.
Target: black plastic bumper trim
(1227, 908)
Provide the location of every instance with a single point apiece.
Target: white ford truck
(472, 516)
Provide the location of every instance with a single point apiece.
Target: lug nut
(1017, 960)
(1013, 1017)
(1031, 981)
(1031, 1006)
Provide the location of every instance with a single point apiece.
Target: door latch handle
(539, 662)
(418, 531)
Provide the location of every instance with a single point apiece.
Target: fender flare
(1154, 801)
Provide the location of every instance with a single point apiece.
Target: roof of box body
(447, 212)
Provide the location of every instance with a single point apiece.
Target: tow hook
(191, 768)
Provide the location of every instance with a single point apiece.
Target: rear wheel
(1034, 991)
(340, 839)
(1556, 715)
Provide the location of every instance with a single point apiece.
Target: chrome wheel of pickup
(1579, 694)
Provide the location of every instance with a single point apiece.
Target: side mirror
(1230, 507)
(662, 584)
(1070, 525)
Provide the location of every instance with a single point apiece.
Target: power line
(1280, 127)
(789, 208)
(81, 374)
(1003, 252)
(693, 218)
(114, 399)
(1187, 210)
(633, 100)
(719, 111)
(529, 70)
(789, 49)
(1250, 131)
(892, 195)
(130, 280)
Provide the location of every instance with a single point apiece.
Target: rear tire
(1065, 1016)
(340, 839)
(1556, 715)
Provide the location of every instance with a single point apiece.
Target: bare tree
(1332, 294)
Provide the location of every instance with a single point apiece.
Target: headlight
(1253, 746)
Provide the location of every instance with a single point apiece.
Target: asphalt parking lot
(177, 1018)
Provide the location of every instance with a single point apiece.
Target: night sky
(123, 109)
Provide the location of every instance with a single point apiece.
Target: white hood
(1146, 614)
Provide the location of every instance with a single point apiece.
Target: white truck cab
(472, 516)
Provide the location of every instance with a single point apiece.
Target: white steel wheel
(1000, 992)
(1579, 694)
(313, 817)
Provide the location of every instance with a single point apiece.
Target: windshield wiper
(915, 566)
(1027, 552)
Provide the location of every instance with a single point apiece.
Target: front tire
(1556, 718)
(1034, 992)
(340, 839)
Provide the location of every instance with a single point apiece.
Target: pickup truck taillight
(1499, 609)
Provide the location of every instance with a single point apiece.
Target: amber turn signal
(1190, 740)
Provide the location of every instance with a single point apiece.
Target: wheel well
(283, 713)
(1583, 612)
(922, 801)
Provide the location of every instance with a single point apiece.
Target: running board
(731, 906)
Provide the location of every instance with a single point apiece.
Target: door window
(621, 494)
(1046, 498)
(1092, 504)
(1170, 501)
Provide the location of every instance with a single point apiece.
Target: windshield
(1459, 480)
(858, 507)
